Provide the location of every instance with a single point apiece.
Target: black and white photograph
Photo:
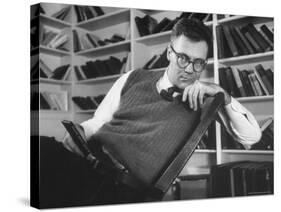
(137, 105)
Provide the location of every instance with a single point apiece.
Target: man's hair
(193, 29)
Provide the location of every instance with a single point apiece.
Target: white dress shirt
(239, 122)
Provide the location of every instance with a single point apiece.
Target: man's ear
(168, 52)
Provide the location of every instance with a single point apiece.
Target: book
(149, 62)
(235, 73)
(222, 80)
(239, 43)
(220, 43)
(45, 69)
(231, 82)
(267, 32)
(246, 82)
(163, 23)
(264, 78)
(86, 42)
(255, 84)
(76, 41)
(269, 74)
(230, 41)
(252, 41)
(98, 10)
(245, 42)
(44, 103)
(78, 13)
(261, 82)
(162, 61)
(264, 45)
(60, 72)
(62, 13)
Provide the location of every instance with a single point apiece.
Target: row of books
(87, 12)
(62, 13)
(89, 40)
(49, 100)
(54, 39)
(40, 69)
(88, 102)
(100, 68)
(148, 25)
(242, 178)
(265, 143)
(236, 41)
(157, 61)
(243, 83)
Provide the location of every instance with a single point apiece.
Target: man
(138, 125)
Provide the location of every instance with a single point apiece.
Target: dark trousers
(67, 179)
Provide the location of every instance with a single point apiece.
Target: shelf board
(255, 98)
(99, 79)
(86, 111)
(54, 22)
(231, 19)
(51, 51)
(108, 49)
(205, 151)
(155, 39)
(248, 58)
(52, 111)
(106, 20)
(51, 81)
(239, 151)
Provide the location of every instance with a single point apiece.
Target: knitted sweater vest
(146, 130)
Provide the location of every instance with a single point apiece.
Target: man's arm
(103, 114)
(239, 122)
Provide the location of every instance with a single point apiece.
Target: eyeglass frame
(189, 61)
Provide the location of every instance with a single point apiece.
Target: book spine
(253, 85)
(256, 84)
(253, 42)
(230, 41)
(266, 82)
(267, 32)
(244, 40)
(261, 82)
(238, 82)
(221, 50)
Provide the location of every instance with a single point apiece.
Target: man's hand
(69, 144)
(196, 92)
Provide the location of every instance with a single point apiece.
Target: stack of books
(87, 12)
(236, 41)
(89, 40)
(54, 39)
(61, 14)
(53, 101)
(88, 102)
(241, 178)
(60, 73)
(157, 61)
(243, 83)
(266, 141)
(148, 25)
(100, 68)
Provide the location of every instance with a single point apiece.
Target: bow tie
(168, 94)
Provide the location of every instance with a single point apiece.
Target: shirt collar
(164, 82)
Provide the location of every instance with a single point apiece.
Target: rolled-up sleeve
(240, 123)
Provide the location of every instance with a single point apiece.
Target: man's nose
(189, 69)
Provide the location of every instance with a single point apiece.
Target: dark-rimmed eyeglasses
(183, 61)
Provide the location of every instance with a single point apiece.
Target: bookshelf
(139, 50)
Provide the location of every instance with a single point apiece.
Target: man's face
(182, 77)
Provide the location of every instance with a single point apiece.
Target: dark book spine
(245, 42)
(223, 81)
(246, 83)
(230, 41)
(163, 23)
(264, 45)
(241, 47)
(78, 14)
(270, 77)
(251, 40)
(221, 47)
(98, 10)
(76, 42)
(231, 82)
(264, 78)
(267, 32)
